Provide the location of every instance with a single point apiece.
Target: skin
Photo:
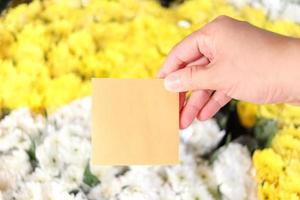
(229, 59)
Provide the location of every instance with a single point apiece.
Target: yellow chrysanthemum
(124, 38)
(247, 113)
(278, 168)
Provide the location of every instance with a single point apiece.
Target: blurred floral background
(50, 50)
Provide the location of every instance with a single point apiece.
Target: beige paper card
(134, 122)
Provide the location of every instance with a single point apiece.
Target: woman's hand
(229, 59)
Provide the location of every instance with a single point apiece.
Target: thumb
(191, 78)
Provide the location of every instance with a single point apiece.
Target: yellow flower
(254, 16)
(287, 143)
(61, 60)
(285, 114)
(62, 89)
(247, 113)
(51, 42)
(269, 164)
(81, 43)
(278, 168)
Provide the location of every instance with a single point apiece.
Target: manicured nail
(172, 83)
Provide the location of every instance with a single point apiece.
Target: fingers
(194, 104)
(200, 62)
(188, 50)
(191, 78)
(181, 100)
(215, 103)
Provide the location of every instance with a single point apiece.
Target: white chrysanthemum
(17, 129)
(273, 8)
(205, 171)
(60, 149)
(240, 3)
(48, 155)
(23, 119)
(185, 157)
(39, 176)
(108, 189)
(143, 177)
(202, 137)
(96, 193)
(167, 193)
(54, 190)
(73, 176)
(73, 149)
(187, 184)
(76, 116)
(105, 173)
(234, 173)
(14, 139)
(63, 150)
(15, 166)
(292, 12)
(135, 193)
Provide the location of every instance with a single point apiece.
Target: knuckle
(192, 77)
(221, 19)
(214, 26)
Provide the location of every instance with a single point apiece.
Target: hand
(229, 59)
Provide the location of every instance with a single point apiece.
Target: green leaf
(31, 151)
(228, 139)
(32, 155)
(264, 131)
(89, 178)
(215, 192)
(5, 111)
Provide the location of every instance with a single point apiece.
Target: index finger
(186, 51)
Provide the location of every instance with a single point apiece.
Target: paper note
(134, 122)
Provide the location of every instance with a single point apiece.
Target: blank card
(134, 122)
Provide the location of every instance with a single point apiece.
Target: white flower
(95, 193)
(110, 188)
(185, 157)
(292, 12)
(233, 171)
(16, 161)
(48, 155)
(53, 190)
(14, 139)
(17, 129)
(186, 183)
(73, 149)
(273, 8)
(23, 119)
(141, 177)
(240, 3)
(105, 173)
(136, 193)
(63, 151)
(39, 176)
(76, 116)
(73, 176)
(14, 167)
(60, 149)
(167, 193)
(202, 137)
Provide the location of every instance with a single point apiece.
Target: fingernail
(172, 83)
